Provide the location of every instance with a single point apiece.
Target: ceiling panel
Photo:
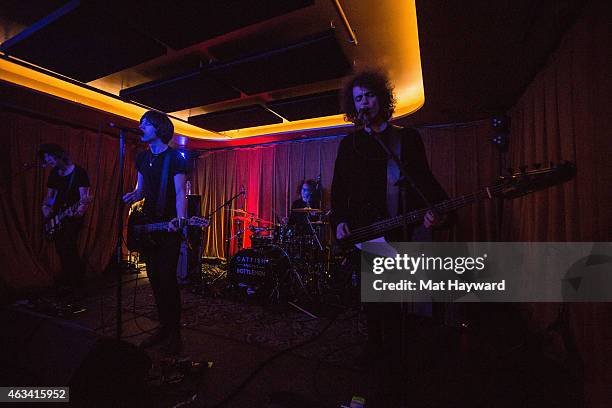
(314, 59)
(180, 25)
(247, 116)
(196, 88)
(83, 43)
(308, 106)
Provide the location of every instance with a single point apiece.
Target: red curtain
(27, 259)
(269, 174)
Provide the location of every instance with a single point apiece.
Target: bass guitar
(511, 186)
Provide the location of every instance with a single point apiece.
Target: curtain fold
(566, 114)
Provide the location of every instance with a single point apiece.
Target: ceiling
(257, 65)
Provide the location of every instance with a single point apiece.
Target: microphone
(127, 129)
(243, 191)
(34, 164)
(361, 116)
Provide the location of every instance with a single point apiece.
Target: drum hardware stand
(293, 271)
(228, 203)
(314, 233)
(304, 291)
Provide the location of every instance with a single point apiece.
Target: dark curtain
(27, 259)
(565, 113)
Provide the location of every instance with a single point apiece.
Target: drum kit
(285, 261)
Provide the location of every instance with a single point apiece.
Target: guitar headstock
(198, 222)
(524, 182)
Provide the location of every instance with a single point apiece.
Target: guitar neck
(379, 228)
(154, 227)
(163, 226)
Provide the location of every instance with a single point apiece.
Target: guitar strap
(404, 174)
(163, 187)
(70, 180)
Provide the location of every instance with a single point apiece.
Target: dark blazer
(360, 177)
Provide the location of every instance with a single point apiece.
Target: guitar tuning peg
(537, 165)
(523, 168)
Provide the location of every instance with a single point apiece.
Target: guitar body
(57, 222)
(138, 241)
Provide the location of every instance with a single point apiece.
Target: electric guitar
(142, 231)
(511, 186)
(56, 222)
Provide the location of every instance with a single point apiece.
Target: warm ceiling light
(388, 39)
(40, 81)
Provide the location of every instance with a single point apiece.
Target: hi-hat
(308, 210)
(242, 218)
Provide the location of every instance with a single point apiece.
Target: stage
(239, 354)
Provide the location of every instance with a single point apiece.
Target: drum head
(259, 273)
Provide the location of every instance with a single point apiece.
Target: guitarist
(365, 187)
(67, 185)
(161, 182)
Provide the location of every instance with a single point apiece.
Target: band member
(160, 162)
(365, 184)
(309, 197)
(68, 184)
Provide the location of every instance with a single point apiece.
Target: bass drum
(259, 274)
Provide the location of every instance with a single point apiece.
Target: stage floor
(289, 356)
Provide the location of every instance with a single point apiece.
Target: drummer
(310, 197)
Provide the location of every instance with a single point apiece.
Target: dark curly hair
(375, 81)
(54, 150)
(162, 124)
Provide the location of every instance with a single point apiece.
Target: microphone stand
(118, 253)
(118, 249)
(226, 204)
(403, 183)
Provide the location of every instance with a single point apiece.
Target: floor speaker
(37, 350)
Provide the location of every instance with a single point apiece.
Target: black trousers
(73, 267)
(161, 262)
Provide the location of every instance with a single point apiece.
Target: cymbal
(308, 210)
(319, 222)
(239, 211)
(242, 218)
(251, 219)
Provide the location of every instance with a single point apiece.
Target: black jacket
(360, 177)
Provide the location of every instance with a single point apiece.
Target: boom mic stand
(403, 183)
(118, 250)
(226, 204)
